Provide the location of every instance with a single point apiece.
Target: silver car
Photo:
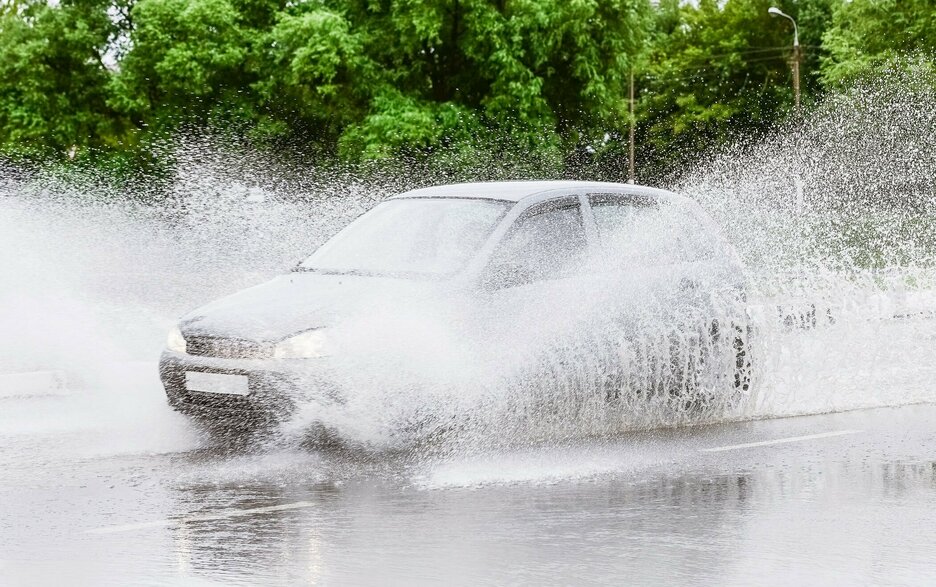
(635, 279)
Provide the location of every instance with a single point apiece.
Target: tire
(744, 363)
(705, 389)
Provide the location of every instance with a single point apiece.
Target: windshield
(411, 237)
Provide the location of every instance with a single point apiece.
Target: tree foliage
(720, 70)
(372, 80)
(864, 34)
(53, 81)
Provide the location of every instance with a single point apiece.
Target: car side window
(696, 242)
(546, 242)
(638, 229)
(629, 228)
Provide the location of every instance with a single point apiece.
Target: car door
(647, 247)
(649, 292)
(633, 268)
(533, 282)
(665, 279)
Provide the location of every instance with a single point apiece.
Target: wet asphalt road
(840, 499)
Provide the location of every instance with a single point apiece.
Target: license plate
(216, 383)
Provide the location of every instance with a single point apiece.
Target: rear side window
(639, 229)
(618, 216)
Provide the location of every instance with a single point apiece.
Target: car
(622, 293)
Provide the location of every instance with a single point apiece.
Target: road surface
(843, 499)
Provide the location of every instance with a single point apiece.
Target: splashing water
(831, 216)
(833, 219)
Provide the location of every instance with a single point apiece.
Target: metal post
(630, 175)
(797, 57)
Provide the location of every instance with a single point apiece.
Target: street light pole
(630, 167)
(797, 54)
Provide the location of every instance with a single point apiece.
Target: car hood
(292, 303)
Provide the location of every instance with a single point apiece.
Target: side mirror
(504, 275)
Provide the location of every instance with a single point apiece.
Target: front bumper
(275, 387)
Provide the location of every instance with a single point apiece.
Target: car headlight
(175, 341)
(308, 345)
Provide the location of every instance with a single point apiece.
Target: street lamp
(797, 55)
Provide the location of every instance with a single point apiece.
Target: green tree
(866, 33)
(458, 81)
(53, 77)
(392, 77)
(314, 76)
(719, 71)
(187, 62)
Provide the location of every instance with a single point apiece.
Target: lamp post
(630, 153)
(797, 54)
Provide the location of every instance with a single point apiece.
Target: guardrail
(813, 300)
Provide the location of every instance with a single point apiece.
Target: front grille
(227, 348)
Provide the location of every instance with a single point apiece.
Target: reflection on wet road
(836, 499)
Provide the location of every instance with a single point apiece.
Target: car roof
(514, 191)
